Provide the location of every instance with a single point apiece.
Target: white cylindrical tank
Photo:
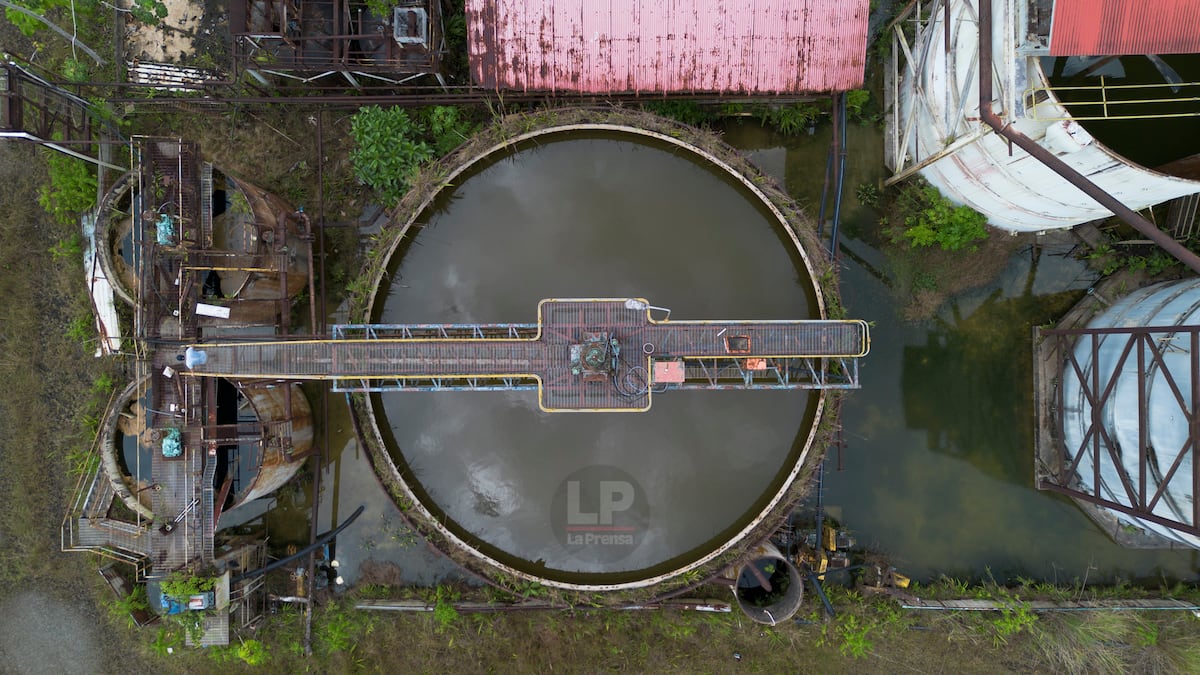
(936, 120)
(1168, 381)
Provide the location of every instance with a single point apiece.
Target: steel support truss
(700, 373)
(1143, 488)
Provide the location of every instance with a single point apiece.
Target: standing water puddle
(938, 469)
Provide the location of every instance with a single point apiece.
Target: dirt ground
(42, 633)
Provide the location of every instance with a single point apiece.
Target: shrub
(149, 12)
(181, 584)
(688, 112)
(75, 70)
(855, 100)
(253, 652)
(387, 151)
(70, 190)
(790, 120)
(448, 127)
(932, 219)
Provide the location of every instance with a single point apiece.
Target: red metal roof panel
(1116, 27)
(724, 46)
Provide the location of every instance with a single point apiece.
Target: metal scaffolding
(1142, 485)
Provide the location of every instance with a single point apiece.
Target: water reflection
(938, 472)
(596, 217)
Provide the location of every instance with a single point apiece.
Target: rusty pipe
(987, 116)
(302, 217)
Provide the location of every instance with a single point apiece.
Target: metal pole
(839, 103)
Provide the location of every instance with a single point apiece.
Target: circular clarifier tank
(596, 213)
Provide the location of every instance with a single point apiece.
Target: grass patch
(934, 250)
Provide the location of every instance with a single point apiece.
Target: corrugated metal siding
(608, 46)
(1102, 27)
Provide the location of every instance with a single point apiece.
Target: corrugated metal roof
(1102, 27)
(608, 46)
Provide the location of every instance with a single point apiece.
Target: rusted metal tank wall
(272, 406)
(109, 450)
(268, 210)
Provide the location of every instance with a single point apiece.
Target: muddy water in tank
(596, 216)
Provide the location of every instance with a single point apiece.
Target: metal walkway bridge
(593, 355)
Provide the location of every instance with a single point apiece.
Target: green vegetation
(789, 120)
(181, 583)
(388, 150)
(688, 112)
(1109, 261)
(165, 641)
(869, 634)
(448, 127)
(149, 12)
(934, 249)
(390, 145)
(454, 25)
(929, 218)
(856, 101)
(76, 71)
(69, 249)
(44, 405)
(444, 613)
(122, 609)
(338, 628)
(71, 188)
(251, 652)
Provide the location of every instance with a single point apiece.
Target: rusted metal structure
(262, 260)
(1125, 427)
(209, 446)
(34, 110)
(766, 47)
(598, 355)
(308, 41)
(1115, 27)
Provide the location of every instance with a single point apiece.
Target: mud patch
(380, 572)
(42, 634)
(171, 41)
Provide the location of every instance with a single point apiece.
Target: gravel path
(43, 634)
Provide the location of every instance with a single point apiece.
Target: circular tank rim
(126, 184)
(109, 451)
(420, 197)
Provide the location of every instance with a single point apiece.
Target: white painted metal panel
(216, 311)
(1015, 191)
(1168, 304)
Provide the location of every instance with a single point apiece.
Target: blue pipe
(841, 172)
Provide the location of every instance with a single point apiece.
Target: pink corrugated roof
(611, 46)
(1104, 27)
